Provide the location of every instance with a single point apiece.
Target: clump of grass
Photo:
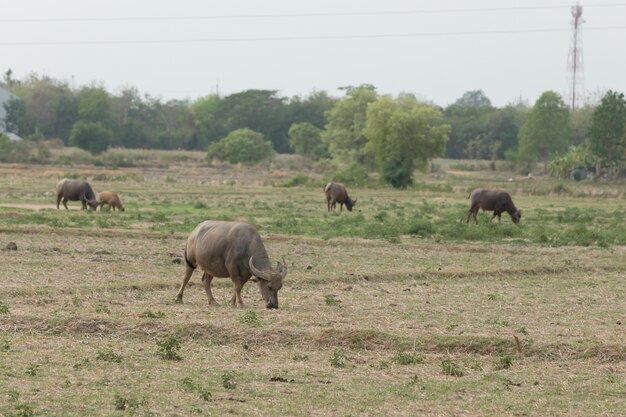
(403, 358)
(250, 318)
(300, 358)
(168, 348)
(5, 346)
(123, 403)
(188, 385)
(108, 356)
(32, 370)
(153, 314)
(4, 308)
(505, 362)
(331, 300)
(103, 310)
(228, 380)
(450, 368)
(338, 359)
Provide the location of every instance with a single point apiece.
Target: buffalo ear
(254, 279)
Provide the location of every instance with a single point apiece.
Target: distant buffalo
(235, 250)
(497, 201)
(337, 193)
(111, 199)
(76, 190)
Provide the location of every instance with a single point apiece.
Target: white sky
(448, 53)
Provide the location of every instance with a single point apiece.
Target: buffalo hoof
(179, 300)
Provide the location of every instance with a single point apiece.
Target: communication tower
(575, 59)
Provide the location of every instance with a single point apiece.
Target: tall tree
(546, 130)
(404, 135)
(344, 133)
(94, 105)
(469, 117)
(607, 139)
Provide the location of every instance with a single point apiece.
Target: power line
(300, 38)
(295, 15)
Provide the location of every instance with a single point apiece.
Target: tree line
(363, 129)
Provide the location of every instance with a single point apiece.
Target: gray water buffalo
(110, 199)
(337, 193)
(76, 190)
(497, 201)
(235, 250)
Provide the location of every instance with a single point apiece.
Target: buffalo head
(270, 282)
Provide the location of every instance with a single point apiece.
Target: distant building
(5, 96)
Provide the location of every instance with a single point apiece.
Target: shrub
(91, 136)
(241, 146)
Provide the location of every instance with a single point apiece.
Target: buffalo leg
(188, 271)
(236, 301)
(65, 203)
(340, 206)
(206, 280)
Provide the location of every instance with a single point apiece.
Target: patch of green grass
(250, 318)
(330, 300)
(108, 356)
(153, 314)
(403, 358)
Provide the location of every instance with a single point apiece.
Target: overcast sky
(435, 49)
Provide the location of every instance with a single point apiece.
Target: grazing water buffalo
(235, 250)
(497, 201)
(76, 190)
(337, 193)
(111, 199)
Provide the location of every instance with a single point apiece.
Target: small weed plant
(338, 359)
(450, 368)
(228, 380)
(168, 348)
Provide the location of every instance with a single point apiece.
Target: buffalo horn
(258, 273)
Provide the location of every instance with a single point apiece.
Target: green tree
(345, 127)
(242, 145)
(607, 139)
(91, 136)
(206, 120)
(306, 140)
(94, 105)
(404, 135)
(469, 119)
(17, 119)
(546, 131)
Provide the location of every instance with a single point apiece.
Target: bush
(241, 146)
(91, 136)
(354, 174)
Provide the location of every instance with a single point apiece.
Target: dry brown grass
(73, 294)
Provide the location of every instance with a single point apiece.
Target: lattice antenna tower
(575, 59)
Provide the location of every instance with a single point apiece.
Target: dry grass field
(398, 308)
